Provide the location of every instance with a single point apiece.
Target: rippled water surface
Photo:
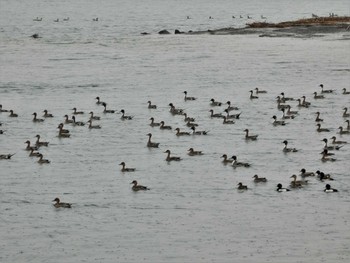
(193, 212)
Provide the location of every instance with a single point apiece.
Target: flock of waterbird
(228, 118)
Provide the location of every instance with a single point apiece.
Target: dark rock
(178, 31)
(164, 32)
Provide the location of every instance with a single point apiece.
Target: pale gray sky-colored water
(193, 212)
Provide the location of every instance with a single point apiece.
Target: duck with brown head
(125, 169)
(153, 123)
(136, 187)
(59, 204)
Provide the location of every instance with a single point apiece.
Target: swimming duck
(41, 160)
(63, 133)
(322, 176)
(252, 96)
(332, 147)
(215, 103)
(12, 114)
(151, 106)
(232, 116)
(124, 169)
(93, 126)
(215, 115)
(2, 110)
(58, 204)
(67, 120)
(125, 117)
(318, 96)
(297, 183)
(47, 114)
(188, 98)
(136, 187)
(229, 107)
(290, 112)
(164, 127)
(61, 130)
(345, 92)
(337, 142)
(342, 131)
(29, 148)
(75, 112)
(192, 152)
(328, 189)
(32, 153)
(226, 121)
(281, 105)
(300, 104)
(153, 124)
(257, 91)
(179, 133)
(306, 174)
(171, 158)
(280, 100)
(318, 119)
(99, 102)
(258, 179)
(193, 128)
(35, 119)
(325, 91)
(287, 117)
(78, 123)
(235, 163)
(38, 143)
(104, 104)
(319, 129)
(241, 186)
(326, 153)
(304, 102)
(151, 144)
(283, 98)
(186, 119)
(286, 149)
(325, 157)
(191, 124)
(281, 189)
(56, 20)
(345, 114)
(250, 137)
(348, 125)
(93, 117)
(225, 160)
(6, 156)
(278, 122)
(175, 111)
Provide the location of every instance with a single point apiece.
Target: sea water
(193, 212)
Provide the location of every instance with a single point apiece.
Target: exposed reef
(309, 27)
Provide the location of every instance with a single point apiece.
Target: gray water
(193, 212)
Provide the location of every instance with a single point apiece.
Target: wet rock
(164, 32)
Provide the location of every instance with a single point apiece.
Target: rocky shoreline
(310, 27)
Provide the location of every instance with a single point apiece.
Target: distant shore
(315, 21)
(303, 27)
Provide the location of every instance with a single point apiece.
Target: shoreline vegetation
(306, 27)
